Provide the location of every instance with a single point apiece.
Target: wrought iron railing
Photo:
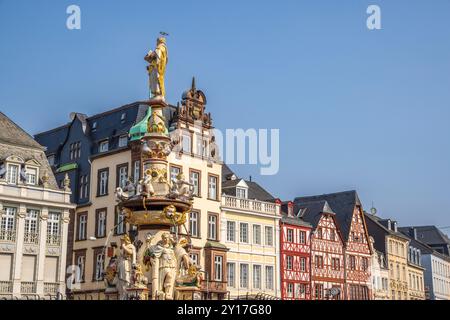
(31, 237)
(8, 235)
(53, 239)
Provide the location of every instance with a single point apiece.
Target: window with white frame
(120, 221)
(82, 227)
(8, 224)
(269, 277)
(187, 142)
(123, 117)
(31, 234)
(290, 290)
(31, 174)
(123, 176)
(136, 171)
(205, 147)
(231, 231)
(75, 150)
(257, 276)
(199, 145)
(303, 264)
(99, 266)
(53, 228)
(290, 235)
(194, 224)
(218, 268)
(81, 262)
(243, 275)
(103, 183)
(302, 236)
(243, 232)
(194, 178)
(174, 172)
(123, 141)
(231, 274)
(84, 183)
(268, 236)
(241, 193)
(301, 290)
(13, 173)
(194, 257)
(212, 187)
(212, 226)
(256, 234)
(289, 262)
(103, 146)
(101, 224)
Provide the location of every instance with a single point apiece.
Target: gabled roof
(11, 133)
(311, 212)
(377, 221)
(341, 203)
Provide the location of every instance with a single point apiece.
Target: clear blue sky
(357, 109)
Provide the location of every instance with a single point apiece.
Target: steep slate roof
(311, 212)
(431, 235)
(341, 203)
(11, 133)
(255, 191)
(15, 141)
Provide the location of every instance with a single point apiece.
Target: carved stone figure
(126, 261)
(66, 182)
(110, 275)
(157, 68)
(214, 149)
(147, 189)
(139, 280)
(181, 188)
(130, 188)
(45, 179)
(156, 123)
(164, 263)
(120, 195)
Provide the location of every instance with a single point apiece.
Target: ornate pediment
(192, 107)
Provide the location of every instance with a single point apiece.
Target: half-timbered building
(327, 251)
(295, 254)
(349, 214)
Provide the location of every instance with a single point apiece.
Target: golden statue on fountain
(157, 60)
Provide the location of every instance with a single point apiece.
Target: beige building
(98, 222)
(379, 274)
(34, 217)
(251, 230)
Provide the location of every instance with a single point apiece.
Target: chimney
(414, 230)
(395, 226)
(250, 178)
(389, 224)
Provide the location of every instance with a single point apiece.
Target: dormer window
(241, 193)
(94, 126)
(51, 160)
(31, 174)
(123, 117)
(13, 173)
(123, 141)
(104, 146)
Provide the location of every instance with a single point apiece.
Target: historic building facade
(351, 221)
(394, 245)
(295, 264)
(251, 231)
(34, 217)
(379, 274)
(114, 157)
(327, 271)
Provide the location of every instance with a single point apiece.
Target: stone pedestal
(188, 293)
(138, 293)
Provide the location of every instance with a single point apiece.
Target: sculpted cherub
(181, 188)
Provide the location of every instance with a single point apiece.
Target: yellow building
(97, 224)
(250, 229)
(394, 246)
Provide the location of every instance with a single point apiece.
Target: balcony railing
(28, 287)
(53, 239)
(31, 237)
(8, 235)
(6, 286)
(50, 288)
(250, 205)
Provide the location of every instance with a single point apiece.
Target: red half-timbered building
(327, 251)
(295, 255)
(350, 217)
